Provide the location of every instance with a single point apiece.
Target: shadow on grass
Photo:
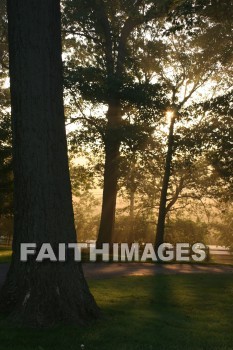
(188, 312)
(173, 312)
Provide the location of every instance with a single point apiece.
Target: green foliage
(82, 178)
(86, 205)
(6, 176)
(187, 231)
(87, 216)
(6, 229)
(3, 40)
(103, 70)
(223, 227)
(140, 230)
(89, 81)
(219, 131)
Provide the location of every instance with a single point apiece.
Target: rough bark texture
(41, 294)
(163, 198)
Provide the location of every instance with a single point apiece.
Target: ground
(109, 270)
(144, 307)
(161, 312)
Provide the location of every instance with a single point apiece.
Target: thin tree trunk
(165, 184)
(41, 294)
(131, 214)
(132, 202)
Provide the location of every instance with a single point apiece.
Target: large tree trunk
(166, 178)
(41, 294)
(111, 169)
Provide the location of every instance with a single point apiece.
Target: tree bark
(131, 214)
(166, 178)
(112, 137)
(111, 169)
(132, 191)
(41, 294)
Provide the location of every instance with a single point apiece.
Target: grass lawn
(5, 255)
(182, 312)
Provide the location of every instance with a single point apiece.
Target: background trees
(180, 62)
(168, 56)
(6, 176)
(105, 75)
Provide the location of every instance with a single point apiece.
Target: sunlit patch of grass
(5, 255)
(164, 312)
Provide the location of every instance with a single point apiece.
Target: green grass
(5, 254)
(163, 312)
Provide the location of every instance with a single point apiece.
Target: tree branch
(105, 25)
(179, 188)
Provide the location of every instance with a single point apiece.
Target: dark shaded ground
(100, 270)
(163, 312)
